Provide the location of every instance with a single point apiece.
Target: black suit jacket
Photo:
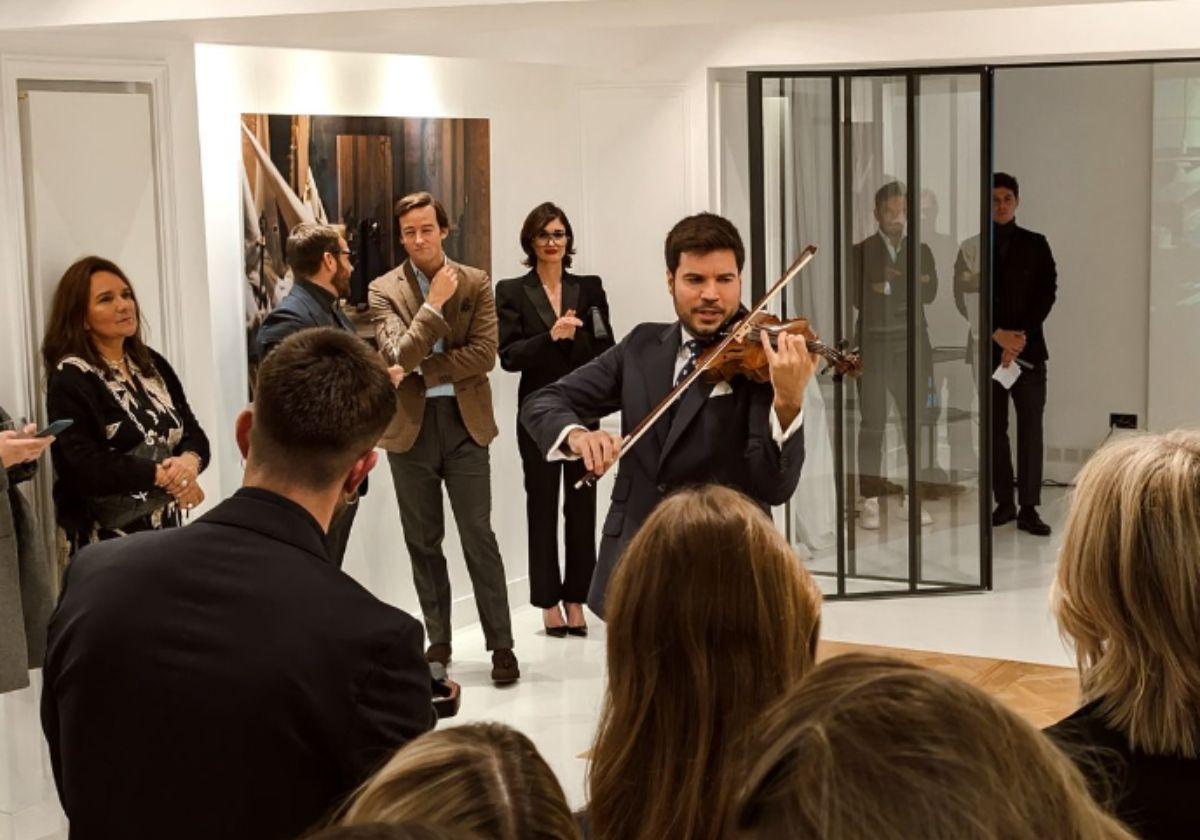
(1023, 291)
(711, 439)
(223, 679)
(526, 318)
(884, 316)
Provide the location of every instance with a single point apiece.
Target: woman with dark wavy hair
(711, 616)
(131, 459)
(551, 322)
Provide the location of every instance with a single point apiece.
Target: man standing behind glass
(1023, 292)
(879, 286)
(437, 320)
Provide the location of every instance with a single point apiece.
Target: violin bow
(736, 334)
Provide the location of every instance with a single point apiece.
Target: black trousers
(885, 374)
(1028, 396)
(445, 452)
(547, 586)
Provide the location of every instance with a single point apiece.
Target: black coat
(1024, 290)
(87, 461)
(1153, 794)
(883, 316)
(723, 439)
(223, 679)
(526, 317)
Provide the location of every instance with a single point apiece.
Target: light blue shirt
(446, 389)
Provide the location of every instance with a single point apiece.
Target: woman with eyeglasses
(551, 322)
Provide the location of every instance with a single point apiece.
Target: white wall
(1084, 173)
(536, 152)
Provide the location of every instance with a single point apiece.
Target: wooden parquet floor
(1042, 694)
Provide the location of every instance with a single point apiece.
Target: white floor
(557, 701)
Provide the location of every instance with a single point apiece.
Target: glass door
(884, 173)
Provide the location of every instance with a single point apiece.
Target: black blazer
(711, 439)
(87, 462)
(526, 318)
(1153, 794)
(1023, 291)
(223, 679)
(883, 316)
(306, 305)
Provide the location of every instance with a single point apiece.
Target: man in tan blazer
(437, 320)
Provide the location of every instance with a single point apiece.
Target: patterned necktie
(695, 346)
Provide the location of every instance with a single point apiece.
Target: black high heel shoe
(577, 631)
(559, 632)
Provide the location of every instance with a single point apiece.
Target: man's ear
(241, 430)
(359, 471)
(671, 283)
(445, 233)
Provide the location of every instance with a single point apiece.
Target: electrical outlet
(1122, 421)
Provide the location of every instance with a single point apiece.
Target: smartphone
(55, 429)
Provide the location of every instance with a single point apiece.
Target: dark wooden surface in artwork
(365, 183)
(448, 157)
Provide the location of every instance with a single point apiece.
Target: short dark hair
(307, 245)
(417, 200)
(1002, 180)
(702, 234)
(322, 400)
(66, 328)
(538, 218)
(890, 190)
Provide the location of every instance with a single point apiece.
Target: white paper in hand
(1006, 376)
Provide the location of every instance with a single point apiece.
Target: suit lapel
(660, 376)
(537, 296)
(570, 294)
(410, 290)
(689, 406)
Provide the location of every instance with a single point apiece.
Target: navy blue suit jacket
(711, 439)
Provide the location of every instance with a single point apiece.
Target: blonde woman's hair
(483, 778)
(710, 617)
(873, 748)
(1127, 594)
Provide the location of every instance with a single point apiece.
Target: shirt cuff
(778, 434)
(556, 452)
(430, 307)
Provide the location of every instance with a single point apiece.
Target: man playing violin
(739, 433)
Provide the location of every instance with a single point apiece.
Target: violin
(748, 358)
(739, 352)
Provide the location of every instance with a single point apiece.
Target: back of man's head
(307, 245)
(322, 401)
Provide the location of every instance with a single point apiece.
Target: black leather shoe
(1003, 514)
(504, 667)
(559, 632)
(1028, 520)
(581, 630)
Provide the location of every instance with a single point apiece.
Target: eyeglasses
(557, 237)
(348, 252)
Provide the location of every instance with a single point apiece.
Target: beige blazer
(406, 332)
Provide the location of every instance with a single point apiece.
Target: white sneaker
(926, 519)
(869, 518)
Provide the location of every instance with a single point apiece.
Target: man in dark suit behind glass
(1023, 291)
(226, 679)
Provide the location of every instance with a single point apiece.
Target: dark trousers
(1028, 395)
(885, 373)
(445, 452)
(546, 586)
(338, 536)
